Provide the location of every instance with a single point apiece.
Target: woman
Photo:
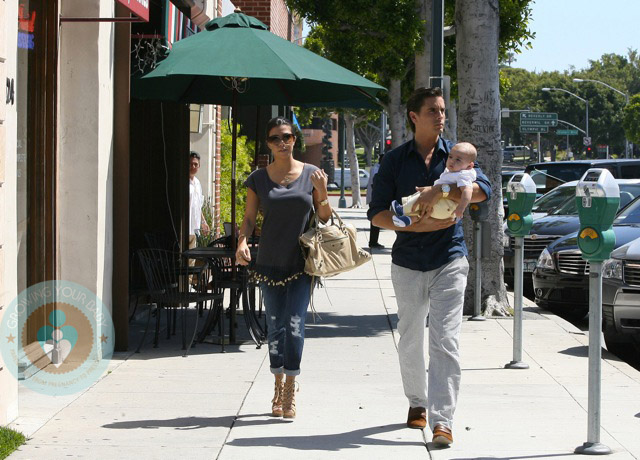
(287, 191)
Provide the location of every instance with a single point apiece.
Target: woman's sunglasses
(287, 138)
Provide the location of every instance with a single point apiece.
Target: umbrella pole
(234, 135)
(234, 242)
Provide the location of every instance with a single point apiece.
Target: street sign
(586, 141)
(538, 122)
(538, 119)
(567, 132)
(534, 129)
(538, 116)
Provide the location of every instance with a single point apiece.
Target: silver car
(621, 300)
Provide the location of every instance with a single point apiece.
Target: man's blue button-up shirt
(402, 170)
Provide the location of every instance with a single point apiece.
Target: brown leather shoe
(442, 435)
(417, 418)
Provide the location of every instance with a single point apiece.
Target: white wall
(85, 130)
(8, 148)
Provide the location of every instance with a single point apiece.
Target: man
(196, 199)
(429, 265)
(374, 232)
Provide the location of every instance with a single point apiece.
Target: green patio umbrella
(237, 61)
(268, 70)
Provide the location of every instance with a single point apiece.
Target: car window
(628, 192)
(630, 171)
(551, 175)
(554, 199)
(629, 215)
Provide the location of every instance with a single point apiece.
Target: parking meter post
(597, 198)
(517, 362)
(521, 193)
(477, 300)
(593, 446)
(478, 213)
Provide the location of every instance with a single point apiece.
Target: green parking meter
(521, 193)
(598, 198)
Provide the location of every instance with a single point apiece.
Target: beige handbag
(331, 249)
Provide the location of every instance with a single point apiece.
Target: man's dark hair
(194, 154)
(278, 121)
(416, 101)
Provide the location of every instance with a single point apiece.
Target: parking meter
(598, 198)
(479, 213)
(521, 193)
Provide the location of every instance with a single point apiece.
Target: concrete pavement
(158, 405)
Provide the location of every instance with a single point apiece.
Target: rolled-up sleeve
(483, 182)
(384, 188)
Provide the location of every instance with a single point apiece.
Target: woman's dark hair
(279, 121)
(416, 101)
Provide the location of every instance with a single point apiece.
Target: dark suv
(548, 176)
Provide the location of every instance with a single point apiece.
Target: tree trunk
(477, 24)
(423, 55)
(396, 113)
(350, 138)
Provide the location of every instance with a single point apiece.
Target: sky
(572, 32)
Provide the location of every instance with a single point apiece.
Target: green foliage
(631, 120)
(10, 440)
(521, 89)
(244, 162)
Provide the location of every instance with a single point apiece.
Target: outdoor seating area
(173, 282)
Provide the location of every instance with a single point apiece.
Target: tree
(375, 38)
(632, 119)
(368, 135)
(477, 25)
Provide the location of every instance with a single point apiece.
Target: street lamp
(626, 98)
(576, 96)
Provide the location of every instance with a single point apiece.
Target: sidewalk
(158, 405)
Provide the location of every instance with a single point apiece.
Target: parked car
(555, 215)
(512, 151)
(621, 300)
(548, 176)
(560, 279)
(364, 178)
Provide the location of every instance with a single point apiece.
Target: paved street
(211, 405)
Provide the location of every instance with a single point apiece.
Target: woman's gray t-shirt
(287, 210)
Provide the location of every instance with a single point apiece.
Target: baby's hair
(468, 150)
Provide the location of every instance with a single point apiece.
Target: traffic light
(387, 145)
(589, 152)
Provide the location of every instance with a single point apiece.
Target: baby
(459, 171)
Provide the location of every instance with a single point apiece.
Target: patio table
(246, 292)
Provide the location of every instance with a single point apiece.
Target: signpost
(534, 129)
(537, 122)
(539, 118)
(567, 132)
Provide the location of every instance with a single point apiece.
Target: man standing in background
(197, 222)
